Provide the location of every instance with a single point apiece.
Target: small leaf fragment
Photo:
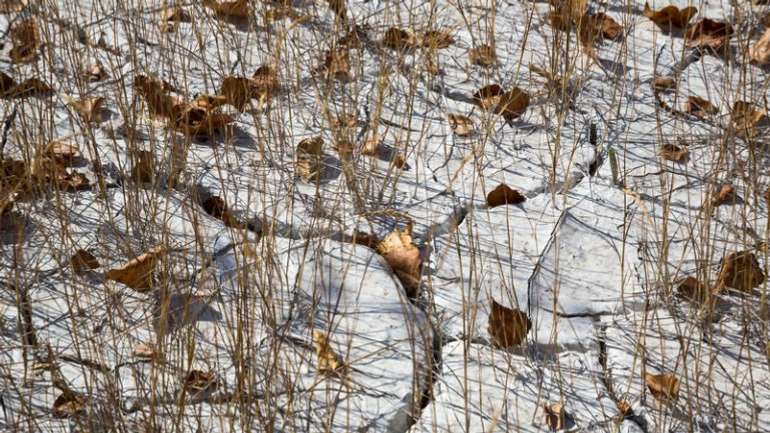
(502, 195)
(674, 153)
(328, 362)
(68, 404)
(663, 83)
(741, 271)
(664, 387)
(137, 273)
(83, 261)
(508, 327)
(700, 107)
(461, 125)
(555, 416)
(670, 16)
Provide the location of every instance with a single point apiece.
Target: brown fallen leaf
(156, 94)
(461, 125)
(663, 83)
(89, 108)
(700, 107)
(83, 261)
(176, 14)
(601, 26)
(142, 170)
(26, 41)
(309, 165)
(237, 91)
(94, 73)
(555, 416)
(265, 83)
(759, 53)
(68, 404)
(72, 181)
(137, 273)
(399, 39)
(11, 6)
(328, 362)
(664, 387)
(512, 104)
(311, 146)
(195, 121)
(708, 34)
(693, 290)
(625, 408)
(237, 9)
(483, 55)
(507, 327)
(437, 39)
(674, 153)
(725, 195)
(216, 207)
(197, 382)
(488, 96)
(62, 152)
(746, 117)
(143, 351)
(371, 146)
(398, 161)
(403, 256)
(502, 195)
(741, 271)
(670, 17)
(336, 64)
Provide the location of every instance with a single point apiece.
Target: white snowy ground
(592, 264)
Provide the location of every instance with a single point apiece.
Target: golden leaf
(663, 83)
(238, 9)
(674, 153)
(664, 387)
(555, 416)
(404, 258)
(68, 404)
(83, 261)
(741, 271)
(328, 362)
(700, 107)
(503, 194)
(461, 125)
(371, 146)
(483, 55)
(759, 53)
(725, 195)
(137, 273)
(708, 33)
(507, 327)
(89, 109)
(670, 16)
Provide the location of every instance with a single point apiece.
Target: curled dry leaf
(741, 271)
(759, 53)
(461, 125)
(328, 362)
(746, 117)
(700, 107)
(398, 161)
(399, 39)
(693, 290)
(83, 261)
(708, 34)
(195, 121)
(265, 83)
(488, 96)
(176, 14)
(11, 6)
(674, 153)
(512, 104)
(237, 91)
(371, 146)
(310, 159)
(143, 351)
(216, 207)
(156, 95)
(30, 87)
(89, 109)
(238, 9)
(664, 387)
(137, 273)
(670, 17)
(26, 41)
(507, 327)
(68, 404)
(601, 25)
(624, 408)
(555, 416)
(483, 55)
(198, 382)
(663, 83)
(502, 195)
(94, 72)
(725, 195)
(437, 39)
(336, 64)
(403, 256)
(142, 171)
(61, 152)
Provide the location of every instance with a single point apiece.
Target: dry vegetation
(258, 215)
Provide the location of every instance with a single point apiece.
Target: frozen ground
(223, 340)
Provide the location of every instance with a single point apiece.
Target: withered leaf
(68, 404)
(502, 195)
(664, 387)
(601, 25)
(265, 83)
(483, 55)
(195, 121)
(311, 146)
(437, 39)
(700, 107)
(156, 95)
(237, 91)
(30, 87)
(73, 181)
(238, 9)
(328, 362)
(507, 327)
(137, 273)
(143, 351)
(399, 39)
(309, 164)
(371, 146)
(759, 53)
(176, 14)
(670, 16)
(746, 117)
(741, 271)
(11, 6)
(624, 407)
(94, 72)
(663, 83)
(512, 104)
(26, 41)
(89, 108)
(403, 256)
(216, 207)
(725, 195)
(674, 153)
(555, 416)
(200, 381)
(398, 161)
(693, 290)
(488, 96)
(83, 261)
(62, 152)
(461, 125)
(708, 33)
